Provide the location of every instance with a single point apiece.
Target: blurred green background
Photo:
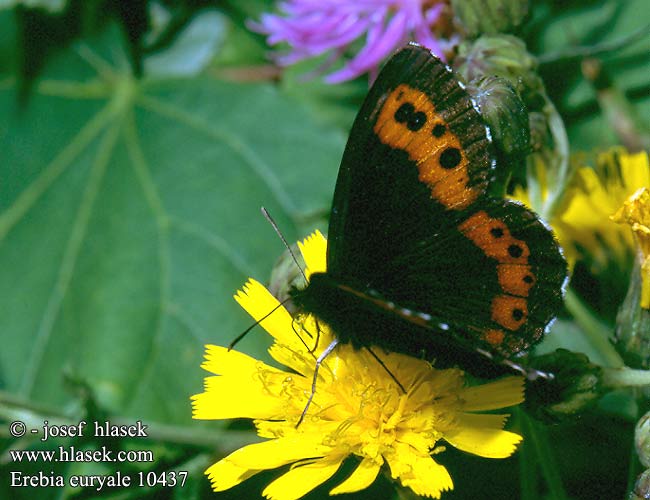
(138, 141)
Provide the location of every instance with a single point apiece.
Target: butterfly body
(420, 259)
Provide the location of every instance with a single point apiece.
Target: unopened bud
(286, 275)
(489, 17)
(575, 385)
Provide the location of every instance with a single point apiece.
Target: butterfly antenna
(328, 350)
(245, 332)
(386, 368)
(268, 217)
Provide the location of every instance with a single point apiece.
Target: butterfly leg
(328, 350)
(295, 330)
(310, 350)
(386, 368)
(317, 336)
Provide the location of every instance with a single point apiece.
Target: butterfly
(420, 259)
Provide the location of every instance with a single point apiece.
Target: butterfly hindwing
(530, 273)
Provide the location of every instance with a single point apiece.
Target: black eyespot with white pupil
(414, 120)
(417, 121)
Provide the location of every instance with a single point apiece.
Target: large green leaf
(129, 216)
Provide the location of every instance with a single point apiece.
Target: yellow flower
(357, 409)
(582, 222)
(636, 213)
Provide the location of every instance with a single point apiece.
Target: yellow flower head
(582, 222)
(358, 409)
(636, 213)
(596, 194)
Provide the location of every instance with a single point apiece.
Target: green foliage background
(129, 214)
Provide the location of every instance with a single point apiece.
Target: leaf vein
(261, 168)
(69, 260)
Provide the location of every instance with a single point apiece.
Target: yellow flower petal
(224, 475)
(258, 302)
(251, 459)
(221, 361)
(362, 477)
(482, 435)
(314, 251)
(301, 362)
(635, 169)
(420, 473)
(636, 213)
(429, 478)
(508, 391)
(258, 403)
(301, 480)
(275, 453)
(238, 374)
(582, 225)
(419, 441)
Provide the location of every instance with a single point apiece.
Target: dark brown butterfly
(420, 259)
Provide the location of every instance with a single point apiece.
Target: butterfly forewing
(377, 186)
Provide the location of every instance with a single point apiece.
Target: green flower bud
(505, 56)
(574, 388)
(642, 439)
(505, 114)
(286, 275)
(641, 489)
(489, 16)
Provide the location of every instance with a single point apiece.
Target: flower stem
(577, 53)
(634, 468)
(616, 378)
(12, 408)
(596, 333)
(528, 471)
(545, 458)
(564, 171)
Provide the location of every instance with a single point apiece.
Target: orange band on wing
(408, 121)
(510, 312)
(493, 237)
(515, 279)
(493, 336)
(515, 275)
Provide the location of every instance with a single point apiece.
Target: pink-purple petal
(314, 27)
(374, 52)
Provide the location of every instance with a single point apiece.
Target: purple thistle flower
(315, 27)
